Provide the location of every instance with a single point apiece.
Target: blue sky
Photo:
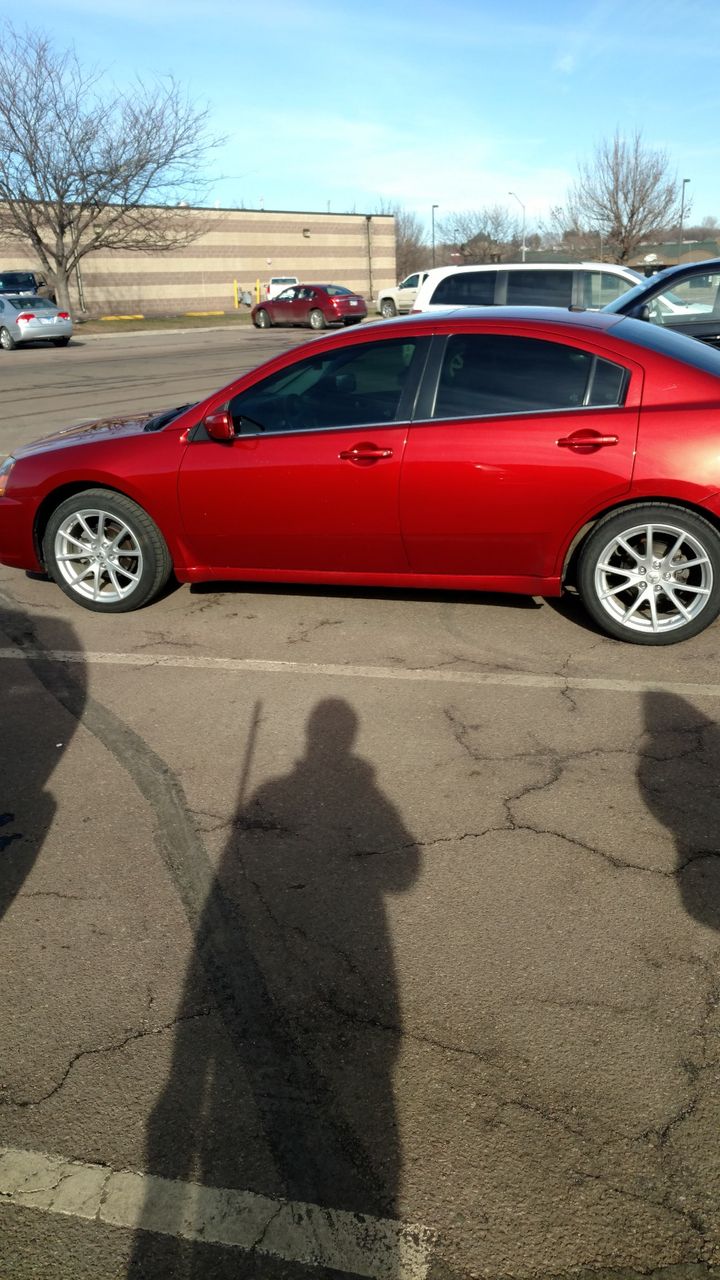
(343, 105)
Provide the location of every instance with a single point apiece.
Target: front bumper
(17, 545)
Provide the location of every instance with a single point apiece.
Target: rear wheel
(651, 574)
(262, 320)
(317, 320)
(388, 309)
(105, 552)
(7, 342)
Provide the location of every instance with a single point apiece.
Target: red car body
(496, 502)
(316, 305)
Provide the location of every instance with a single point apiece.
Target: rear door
(517, 441)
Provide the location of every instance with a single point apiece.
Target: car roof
(561, 316)
(615, 267)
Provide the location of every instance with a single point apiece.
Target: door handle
(365, 453)
(586, 440)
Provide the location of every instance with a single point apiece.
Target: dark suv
(25, 282)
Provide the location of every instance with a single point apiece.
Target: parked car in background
(685, 298)
(28, 318)
(276, 285)
(25, 282)
(401, 298)
(520, 450)
(525, 284)
(316, 305)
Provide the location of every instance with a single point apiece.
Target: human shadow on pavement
(36, 730)
(679, 780)
(289, 1091)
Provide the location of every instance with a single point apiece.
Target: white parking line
(303, 1233)
(516, 680)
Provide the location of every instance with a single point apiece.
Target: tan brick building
(357, 250)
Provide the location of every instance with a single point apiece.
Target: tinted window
(600, 287)
(337, 290)
(493, 374)
(466, 289)
(341, 388)
(17, 280)
(539, 288)
(411, 282)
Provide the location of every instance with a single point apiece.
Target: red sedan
(316, 305)
(529, 451)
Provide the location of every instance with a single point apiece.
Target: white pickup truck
(400, 299)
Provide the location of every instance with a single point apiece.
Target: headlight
(5, 469)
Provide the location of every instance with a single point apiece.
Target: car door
(407, 292)
(310, 482)
(518, 440)
(282, 307)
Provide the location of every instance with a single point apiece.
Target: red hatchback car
(316, 305)
(529, 451)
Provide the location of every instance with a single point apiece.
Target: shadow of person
(679, 780)
(292, 1096)
(36, 730)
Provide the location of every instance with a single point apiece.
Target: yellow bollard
(257, 290)
(235, 294)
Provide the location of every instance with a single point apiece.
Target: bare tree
(481, 235)
(81, 170)
(411, 246)
(626, 193)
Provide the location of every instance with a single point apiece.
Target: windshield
(17, 280)
(37, 304)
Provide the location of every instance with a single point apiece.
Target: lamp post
(432, 220)
(522, 206)
(682, 215)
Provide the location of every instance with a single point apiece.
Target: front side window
(411, 282)
(466, 289)
(490, 374)
(539, 288)
(342, 388)
(687, 300)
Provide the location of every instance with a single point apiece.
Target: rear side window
(466, 289)
(597, 288)
(539, 288)
(489, 374)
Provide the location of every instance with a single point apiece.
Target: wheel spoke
(696, 591)
(640, 597)
(678, 543)
(615, 591)
(621, 542)
(653, 608)
(82, 521)
(690, 564)
(669, 592)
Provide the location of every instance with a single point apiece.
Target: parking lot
(320, 903)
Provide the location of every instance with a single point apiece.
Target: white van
(276, 284)
(525, 284)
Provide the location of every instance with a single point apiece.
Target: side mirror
(219, 425)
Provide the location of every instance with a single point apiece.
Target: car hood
(102, 429)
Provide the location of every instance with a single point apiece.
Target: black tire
(317, 320)
(112, 589)
(262, 320)
(643, 594)
(60, 342)
(388, 309)
(354, 320)
(7, 342)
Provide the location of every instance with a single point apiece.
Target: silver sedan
(29, 318)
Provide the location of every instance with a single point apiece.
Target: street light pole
(522, 206)
(682, 215)
(432, 220)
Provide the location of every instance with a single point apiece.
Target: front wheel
(262, 320)
(651, 574)
(7, 342)
(388, 309)
(105, 552)
(317, 320)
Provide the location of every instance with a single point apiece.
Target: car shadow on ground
(285, 1086)
(36, 731)
(331, 592)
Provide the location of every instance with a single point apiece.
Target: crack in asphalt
(6, 1100)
